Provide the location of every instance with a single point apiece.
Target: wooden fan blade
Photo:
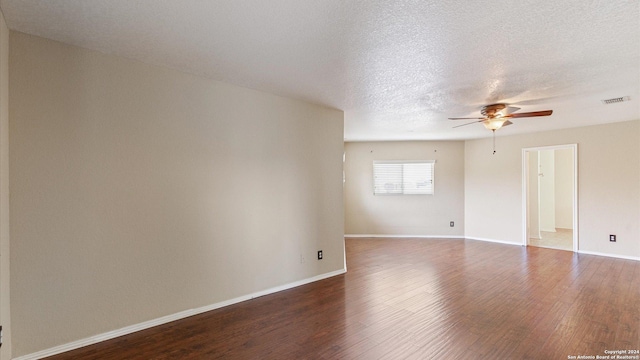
(507, 123)
(457, 126)
(531, 114)
(473, 118)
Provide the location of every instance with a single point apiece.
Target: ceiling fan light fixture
(495, 123)
(496, 116)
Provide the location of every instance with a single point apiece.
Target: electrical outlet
(450, 223)
(302, 260)
(612, 238)
(319, 254)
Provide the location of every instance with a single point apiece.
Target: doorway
(550, 197)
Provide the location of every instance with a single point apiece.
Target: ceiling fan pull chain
(494, 141)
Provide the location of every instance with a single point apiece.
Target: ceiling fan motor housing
(493, 110)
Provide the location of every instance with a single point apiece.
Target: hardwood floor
(418, 299)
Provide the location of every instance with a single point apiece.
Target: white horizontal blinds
(403, 177)
(387, 178)
(417, 178)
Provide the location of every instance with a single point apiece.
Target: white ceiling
(398, 69)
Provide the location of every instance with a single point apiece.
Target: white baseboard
(404, 236)
(169, 318)
(636, 258)
(493, 241)
(429, 237)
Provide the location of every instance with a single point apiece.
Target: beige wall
(138, 192)
(425, 215)
(533, 197)
(608, 186)
(564, 188)
(5, 314)
(547, 191)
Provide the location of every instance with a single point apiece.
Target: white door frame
(525, 190)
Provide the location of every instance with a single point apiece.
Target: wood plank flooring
(418, 299)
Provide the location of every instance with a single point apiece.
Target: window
(403, 177)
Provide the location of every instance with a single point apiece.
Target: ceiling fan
(499, 115)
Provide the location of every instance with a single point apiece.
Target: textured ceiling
(398, 69)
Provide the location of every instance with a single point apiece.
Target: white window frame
(399, 186)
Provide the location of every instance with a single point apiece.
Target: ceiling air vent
(616, 100)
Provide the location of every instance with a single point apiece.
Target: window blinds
(403, 177)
